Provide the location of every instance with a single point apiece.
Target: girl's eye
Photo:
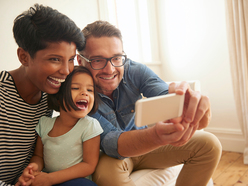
(74, 88)
(90, 90)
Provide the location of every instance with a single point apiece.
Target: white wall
(194, 46)
(81, 12)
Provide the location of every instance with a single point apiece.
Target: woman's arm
(91, 150)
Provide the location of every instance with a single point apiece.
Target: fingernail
(187, 120)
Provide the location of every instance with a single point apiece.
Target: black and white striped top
(18, 120)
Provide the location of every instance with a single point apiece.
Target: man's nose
(109, 67)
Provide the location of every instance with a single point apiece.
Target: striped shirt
(18, 120)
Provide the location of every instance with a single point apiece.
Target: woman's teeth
(57, 79)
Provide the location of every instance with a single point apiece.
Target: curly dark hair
(34, 29)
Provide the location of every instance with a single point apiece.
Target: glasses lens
(98, 63)
(118, 61)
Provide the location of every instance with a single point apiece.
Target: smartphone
(159, 108)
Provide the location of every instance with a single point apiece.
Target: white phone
(159, 108)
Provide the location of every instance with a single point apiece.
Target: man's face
(108, 78)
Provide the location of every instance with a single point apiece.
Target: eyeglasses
(100, 63)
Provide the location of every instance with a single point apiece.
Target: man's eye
(97, 60)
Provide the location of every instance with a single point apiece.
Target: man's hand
(196, 106)
(196, 111)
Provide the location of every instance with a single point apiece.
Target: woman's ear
(23, 56)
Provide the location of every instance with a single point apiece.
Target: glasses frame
(108, 59)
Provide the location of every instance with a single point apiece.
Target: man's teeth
(112, 77)
(57, 79)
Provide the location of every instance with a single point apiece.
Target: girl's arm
(91, 150)
(38, 155)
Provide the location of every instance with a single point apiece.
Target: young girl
(67, 148)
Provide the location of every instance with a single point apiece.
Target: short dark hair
(35, 28)
(63, 98)
(100, 29)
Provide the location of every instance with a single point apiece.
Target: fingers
(18, 184)
(29, 182)
(203, 114)
(196, 106)
(168, 128)
(185, 137)
(192, 100)
(178, 88)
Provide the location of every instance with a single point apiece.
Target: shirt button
(132, 111)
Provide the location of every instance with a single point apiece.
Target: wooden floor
(231, 171)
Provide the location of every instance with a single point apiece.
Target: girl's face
(50, 66)
(82, 91)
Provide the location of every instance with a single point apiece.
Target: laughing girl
(67, 148)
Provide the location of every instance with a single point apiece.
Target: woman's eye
(72, 60)
(54, 59)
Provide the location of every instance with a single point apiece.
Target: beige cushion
(158, 177)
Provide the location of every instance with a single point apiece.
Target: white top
(66, 150)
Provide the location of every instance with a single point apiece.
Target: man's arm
(138, 142)
(196, 115)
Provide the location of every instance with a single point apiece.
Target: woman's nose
(66, 68)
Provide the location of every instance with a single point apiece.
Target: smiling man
(120, 83)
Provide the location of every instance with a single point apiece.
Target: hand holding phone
(159, 108)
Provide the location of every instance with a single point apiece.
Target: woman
(47, 42)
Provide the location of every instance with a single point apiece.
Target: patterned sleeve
(5, 184)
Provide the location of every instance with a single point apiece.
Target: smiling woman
(48, 67)
(46, 55)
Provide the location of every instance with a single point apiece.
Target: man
(120, 82)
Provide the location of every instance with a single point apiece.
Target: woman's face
(50, 66)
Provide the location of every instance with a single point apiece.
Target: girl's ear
(23, 56)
